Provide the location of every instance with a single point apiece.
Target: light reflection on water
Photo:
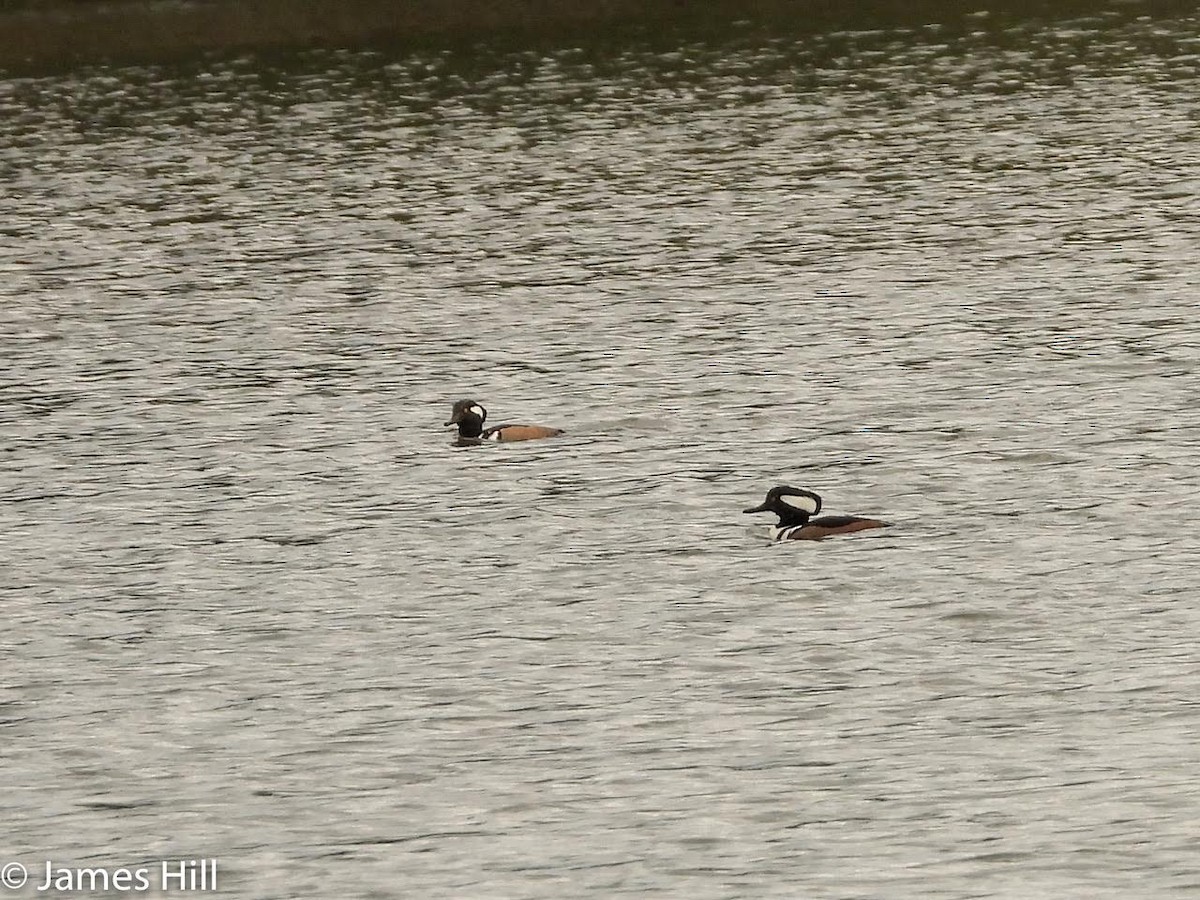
(260, 610)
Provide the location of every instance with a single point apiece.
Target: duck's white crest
(800, 502)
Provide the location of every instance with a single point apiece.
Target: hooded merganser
(469, 416)
(794, 506)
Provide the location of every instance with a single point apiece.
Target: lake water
(258, 609)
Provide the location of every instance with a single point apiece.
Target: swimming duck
(469, 416)
(795, 506)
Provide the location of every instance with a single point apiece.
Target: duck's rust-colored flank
(815, 531)
(522, 432)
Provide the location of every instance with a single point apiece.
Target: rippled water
(258, 609)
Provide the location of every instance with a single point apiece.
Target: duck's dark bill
(761, 508)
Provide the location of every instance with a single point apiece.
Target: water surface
(258, 609)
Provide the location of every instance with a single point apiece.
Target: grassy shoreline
(39, 35)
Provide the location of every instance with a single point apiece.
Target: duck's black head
(792, 505)
(469, 416)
